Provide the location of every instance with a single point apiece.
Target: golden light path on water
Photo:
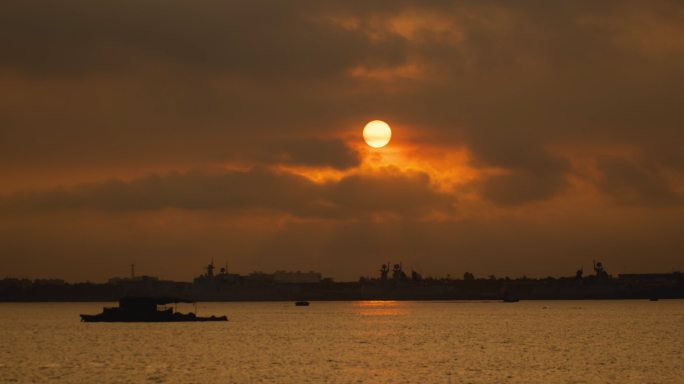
(628, 341)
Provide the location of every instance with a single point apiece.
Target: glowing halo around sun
(377, 133)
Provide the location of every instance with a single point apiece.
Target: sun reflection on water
(379, 308)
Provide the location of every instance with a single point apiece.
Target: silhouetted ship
(145, 309)
(302, 303)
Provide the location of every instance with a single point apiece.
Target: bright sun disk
(377, 133)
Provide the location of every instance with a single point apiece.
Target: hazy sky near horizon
(529, 137)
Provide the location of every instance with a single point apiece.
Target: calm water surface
(352, 342)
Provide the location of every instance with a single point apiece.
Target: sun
(377, 133)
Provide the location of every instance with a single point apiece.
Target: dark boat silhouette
(508, 297)
(302, 303)
(145, 309)
(510, 300)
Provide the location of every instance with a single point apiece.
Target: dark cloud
(249, 38)
(530, 173)
(521, 186)
(312, 152)
(630, 183)
(390, 192)
(252, 191)
(237, 190)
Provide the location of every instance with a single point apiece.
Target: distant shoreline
(437, 290)
(309, 286)
(460, 301)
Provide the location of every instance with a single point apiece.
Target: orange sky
(528, 138)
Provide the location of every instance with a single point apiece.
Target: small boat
(653, 299)
(507, 297)
(510, 300)
(145, 309)
(302, 303)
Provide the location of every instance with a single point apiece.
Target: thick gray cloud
(252, 191)
(312, 152)
(521, 186)
(532, 173)
(631, 183)
(76, 36)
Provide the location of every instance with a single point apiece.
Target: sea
(629, 341)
